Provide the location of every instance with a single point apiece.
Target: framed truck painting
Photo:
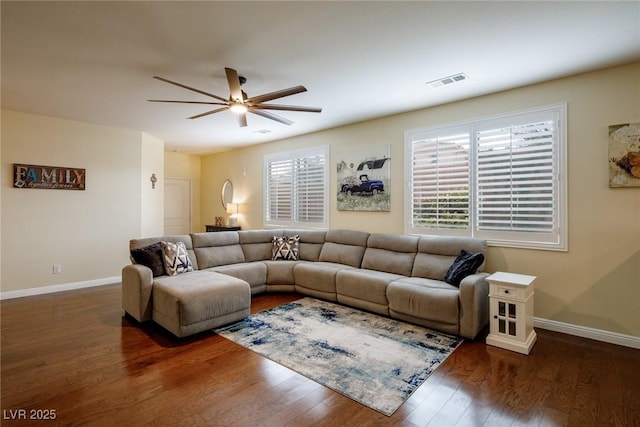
(624, 155)
(364, 178)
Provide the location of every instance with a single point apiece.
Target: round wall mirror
(227, 193)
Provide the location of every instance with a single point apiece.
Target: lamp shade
(232, 208)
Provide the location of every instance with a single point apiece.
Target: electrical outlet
(57, 269)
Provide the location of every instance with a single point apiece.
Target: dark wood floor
(73, 354)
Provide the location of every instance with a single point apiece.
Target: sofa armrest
(137, 283)
(474, 304)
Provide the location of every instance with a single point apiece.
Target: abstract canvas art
(624, 155)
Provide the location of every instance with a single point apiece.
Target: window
(295, 193)
(502, 179)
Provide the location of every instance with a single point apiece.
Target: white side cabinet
(511, 311)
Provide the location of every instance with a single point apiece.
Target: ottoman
(200, 300)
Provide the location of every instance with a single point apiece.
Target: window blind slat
(295, 189)
(440, 187)
(514, 164)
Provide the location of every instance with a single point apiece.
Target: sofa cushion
(437, 253)
(392, 253)
(285, 248)
(254, 273)
(256, 244)
(465, 264)
(317, 276)
(280, 273)
(175, 257)
(419, 299)
(347, 237)
(427, 283)
(344, 247)
(364, 285)
(150, 256)
(310, 244)
(215, 249)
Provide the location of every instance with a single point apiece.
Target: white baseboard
(585, 332)
(58, 288)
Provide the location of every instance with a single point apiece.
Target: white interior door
(177, 206)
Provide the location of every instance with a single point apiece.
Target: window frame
(292, 156)
(556, 240)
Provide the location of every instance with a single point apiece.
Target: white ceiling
(94, 61)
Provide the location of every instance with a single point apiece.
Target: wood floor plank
(75, 352)
(476, 414)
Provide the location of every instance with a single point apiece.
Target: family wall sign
(48, 177)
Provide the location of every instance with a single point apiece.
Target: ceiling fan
(240, 104)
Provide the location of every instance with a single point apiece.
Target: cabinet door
(504, 317)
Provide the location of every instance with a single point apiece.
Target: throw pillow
(150, 256)
(285, 248)
(465, 264)
(176, 258)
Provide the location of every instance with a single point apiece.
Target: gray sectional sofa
(400, 276)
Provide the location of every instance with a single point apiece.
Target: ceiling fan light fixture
(240, 103)
(238, 108)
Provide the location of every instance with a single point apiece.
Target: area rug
(371, 359)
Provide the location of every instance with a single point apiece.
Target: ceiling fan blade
(208, 112)
(288, 108)
(190, 88)
(272, 117)
(242, 120)
(187, 102)
(234, 84)
(255, 100)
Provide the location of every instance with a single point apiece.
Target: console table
(511, 311)
(214, 228)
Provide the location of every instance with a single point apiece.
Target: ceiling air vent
(448, 80)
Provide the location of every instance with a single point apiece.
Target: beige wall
(152, 162)
(596, 284)
(181, 165)
(244, 169)
(86, 232)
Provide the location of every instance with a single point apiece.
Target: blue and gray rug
(373, 360)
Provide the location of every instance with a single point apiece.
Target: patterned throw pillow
(285, 248)
(150, 256)
(176, 258)
(465, 264)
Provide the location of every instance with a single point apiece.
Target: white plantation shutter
(440, 188)
(310, 189)
(516, 178)
(279, 190)
(296, 189)
(501, 179)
